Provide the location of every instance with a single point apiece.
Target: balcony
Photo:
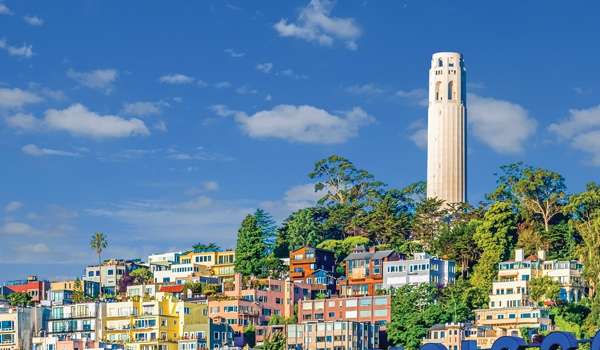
(248, 312)
(297, 274)
(7, 329)
(71, 316)
(71, 330)
(144, 340)
(5, 342)
(357, 275)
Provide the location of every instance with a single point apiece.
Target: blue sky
(164, 124)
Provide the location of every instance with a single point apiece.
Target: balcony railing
(71, 316)
(248, 312)
(71, 330)
(12, 341)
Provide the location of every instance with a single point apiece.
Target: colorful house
(38, 290)
(77, 321)
(316, 267)
(364, 271)
(18, 326)
(210, 335)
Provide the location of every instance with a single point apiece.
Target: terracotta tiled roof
(528, 258)
(171, 289)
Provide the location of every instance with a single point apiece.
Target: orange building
(364, 271)
(314, 266)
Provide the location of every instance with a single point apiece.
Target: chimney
(372, 249)
(541, 254)
(519, 254)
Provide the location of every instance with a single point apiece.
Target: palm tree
(199, 246)
(99, 242)
(213, 246)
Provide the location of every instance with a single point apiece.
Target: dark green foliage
(428, 220)
(141, 276)
(19, 299)
(266, 224)
(303, 230)
(250, 250)
(78, 293)
(273, 267)
(415, 309)
(250, 335)
(458, 244)
(387, 222)
(208, 247)
(275, 341)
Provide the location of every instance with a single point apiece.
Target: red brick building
(316, 267)
(364, 271)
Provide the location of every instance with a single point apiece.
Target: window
(438, 88)
(365, 313)
(216, 336)
(332, 314)
(512, 315)
(350, 303)
(309, 281)
(451, 93)
(365, 302)
(380, 313)
(351, 314)
(98, 273)
(214, 309)
(380, 301)
(500, 317)
(376, 270)
(90, 273)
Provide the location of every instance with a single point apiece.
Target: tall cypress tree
(250, 251)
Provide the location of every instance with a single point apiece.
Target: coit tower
(447, 128)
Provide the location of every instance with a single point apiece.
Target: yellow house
(67, 285)
(223, 266)
(145, 324)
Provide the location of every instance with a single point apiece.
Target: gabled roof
(373, 256)
(171, 289)
(305, 246)
(532, 257)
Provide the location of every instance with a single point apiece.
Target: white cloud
(79, 121)
(315, 25)
(24, 51)
(305, 124)
(19, 228)
(35, 216)
(34, 248)
(265, 68)
(99, 79)
(60, 212)
(502, 125)
(34, 21)
(24, 122)
(176, 79)
(58, 95)
(224, 84)
(33, 150)
(296, 198)
(221, 110)
(14, 205)
(420, 136)
(178, 99)
(268, 98)
(201, 83)
(211, 185)
(160, 125)
(16, 98)
(245, 90)
(4, 10)
(195, 204)
(290, 73)
(142, 108)
(415, 96)
(233, 7)
(365, 89)
(582, 129)
(233, 53)
(9, 218)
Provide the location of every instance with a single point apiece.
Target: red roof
(171, 289)
(529, 258)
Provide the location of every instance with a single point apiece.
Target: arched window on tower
(440, 62)
(438, 91)
(451, 93)
(451, 62)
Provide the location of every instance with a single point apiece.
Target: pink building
(254, 302)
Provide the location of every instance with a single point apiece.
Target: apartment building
(55, 343)
(180, 271)
(224, 265)
(77, 321)
(89, 288)
(373, 309)
(112, 271)
(209, 335)
(451, 335)
(253, 302)
(37, 289)
(143, 323)
(335, 335)
(364, 271)
(422, 269)
(316, 267)
(18, 325)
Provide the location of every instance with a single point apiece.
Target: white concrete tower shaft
(447, 128)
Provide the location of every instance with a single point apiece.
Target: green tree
(541, 192)
(250, 335)
(141, 276)
(282, 244)
(543, 287)
(275, 341)
(458, 244)
(387, 222)
(78, 293)
(210, 247)
(530, 238)
(428, 220)
(273, 267)
(414, 309)
(276, 320)
(492, 236)
(343, 182)
(588, 250)
(99, 243)
(341, 249)
(250, 251)
(592, 321)
(266, 224)
(19, 298)
(303, 230)
(585, 206)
